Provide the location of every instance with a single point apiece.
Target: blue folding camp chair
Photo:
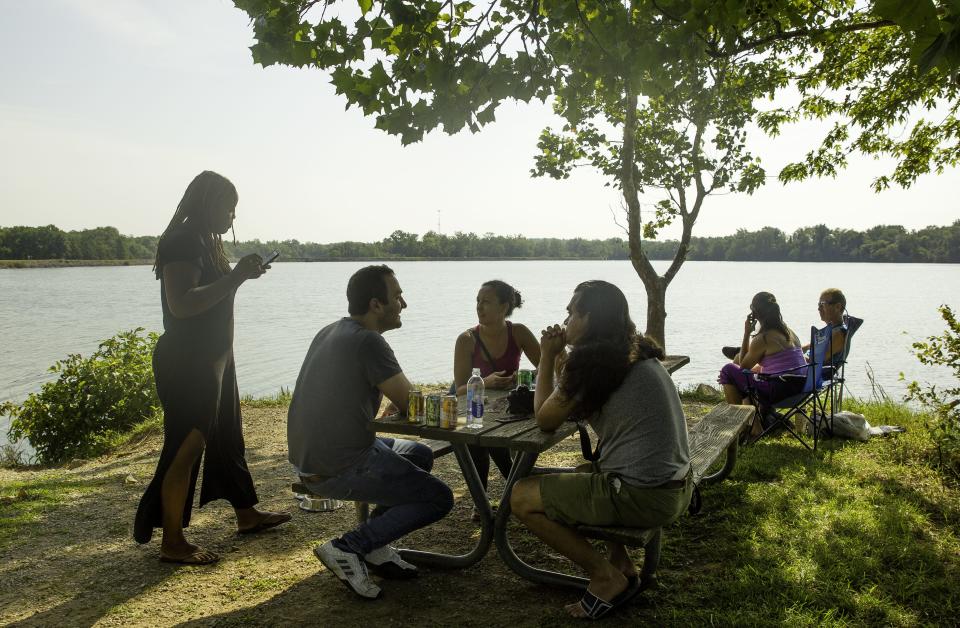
(834, 376)
(809, 403)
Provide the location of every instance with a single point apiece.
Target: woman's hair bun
(505, 293)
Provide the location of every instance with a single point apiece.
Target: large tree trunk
(655, 285)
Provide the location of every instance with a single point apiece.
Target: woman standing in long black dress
(195, 375)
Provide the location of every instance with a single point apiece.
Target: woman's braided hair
(206, 189)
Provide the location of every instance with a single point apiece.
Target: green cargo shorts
(602, 499)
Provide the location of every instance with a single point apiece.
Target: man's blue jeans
(395, 475)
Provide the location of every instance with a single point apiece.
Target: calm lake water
(47, 313)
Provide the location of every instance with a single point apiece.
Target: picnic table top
(500, 429)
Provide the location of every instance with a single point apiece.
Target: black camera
(520, 400)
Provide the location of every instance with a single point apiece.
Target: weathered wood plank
(673, 362)
(462, 434)
(505, 433)
(439, 447)
(401, 426)
(714, 433)
(536, 440)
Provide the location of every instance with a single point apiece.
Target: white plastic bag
(851, 425)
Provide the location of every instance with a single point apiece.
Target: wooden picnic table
(520, 434)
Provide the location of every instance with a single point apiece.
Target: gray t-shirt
(642, 431)
(336, 397)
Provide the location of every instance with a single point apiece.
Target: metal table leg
(449, 561)
(522, 466)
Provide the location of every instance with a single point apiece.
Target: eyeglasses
(824, 303)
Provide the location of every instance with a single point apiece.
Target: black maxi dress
(197, 386)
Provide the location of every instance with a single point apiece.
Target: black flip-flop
(596, 608)
(266, 525)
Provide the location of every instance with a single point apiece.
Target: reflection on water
(48, 313)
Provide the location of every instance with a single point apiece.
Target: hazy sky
(109, 107)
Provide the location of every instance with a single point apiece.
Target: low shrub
(943, 403)
(92, 403)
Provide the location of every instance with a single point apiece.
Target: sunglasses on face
(825, 303)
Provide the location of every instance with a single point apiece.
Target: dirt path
(76, 563)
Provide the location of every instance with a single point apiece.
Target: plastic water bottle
(475, 399)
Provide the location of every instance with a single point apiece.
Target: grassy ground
(856, 534)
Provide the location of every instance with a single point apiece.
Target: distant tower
(438, 222)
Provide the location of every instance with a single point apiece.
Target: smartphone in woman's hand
(269, 259)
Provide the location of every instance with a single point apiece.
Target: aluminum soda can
(415, 407)
(433, 409)
(448, 413)
(525, 378)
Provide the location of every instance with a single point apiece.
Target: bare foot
(251, 520)
(187, 554)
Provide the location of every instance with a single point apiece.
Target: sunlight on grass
(25, 503)
(855, 534)
(242, 586)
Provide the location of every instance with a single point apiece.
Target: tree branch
(480, 21)
(674, 18)
(689, 218)
(587, 26)
(628, 186)
(500, 45)
(681, 201)
(309, 5)
(717, 53)
(617, 222)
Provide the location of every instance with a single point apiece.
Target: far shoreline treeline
(25, 247)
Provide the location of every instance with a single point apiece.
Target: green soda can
(525, 378)
(433, 409)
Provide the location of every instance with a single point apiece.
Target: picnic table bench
(715, 434)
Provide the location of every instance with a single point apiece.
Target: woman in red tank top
(494, 346)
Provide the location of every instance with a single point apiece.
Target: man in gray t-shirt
(347, 371)
(337, 396)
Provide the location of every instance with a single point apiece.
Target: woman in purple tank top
(494, 346)
(773, 348)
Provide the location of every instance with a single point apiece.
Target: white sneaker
(386, 562)
(348, 567)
